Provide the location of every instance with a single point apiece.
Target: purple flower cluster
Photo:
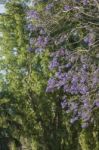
(75, 79)
(53, 64)
(76, 73)
(89, 39)
(67, 8)
(32, 14)
(41, 41)
(49, 6)
(85, 2)
(51, 84)
(37, 43)
(30, 27)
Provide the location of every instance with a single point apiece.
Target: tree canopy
(49, 78)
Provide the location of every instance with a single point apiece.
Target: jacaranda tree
(50, 74)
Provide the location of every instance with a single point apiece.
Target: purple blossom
(49, 6)
(42, 41)
(83, 79)
(61, 76)
(86, 115)
(69, 65)
(85, 67)
(95, 78)
(60, 83)
(74, 79)
(95, 81)
(86, 40)
(97, 103)
(89, 39)
(51, 85)
(66, 88)
(33, 14)
(58, 53)
(31, 27)
(85, 2)
(74, 89)
(67, 8)
(61, 52)
(83, 89)
(86, 104)
(58, 74)
(54, 63)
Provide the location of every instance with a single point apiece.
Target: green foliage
(30, 117)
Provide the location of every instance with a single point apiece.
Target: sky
(2, 9)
